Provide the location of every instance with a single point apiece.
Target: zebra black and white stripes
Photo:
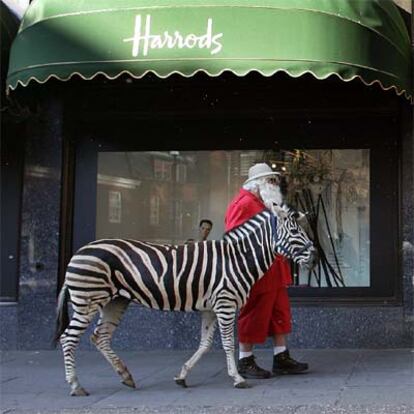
(214, 277)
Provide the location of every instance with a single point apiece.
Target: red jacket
(243, 207)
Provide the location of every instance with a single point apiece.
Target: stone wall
(30, 323)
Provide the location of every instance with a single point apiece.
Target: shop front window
(332, 186)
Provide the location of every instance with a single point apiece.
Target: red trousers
(265, 314)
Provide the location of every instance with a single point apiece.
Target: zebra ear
(300, 216)
(279, 211)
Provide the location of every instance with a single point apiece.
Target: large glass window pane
(332, 187)
(162, 196)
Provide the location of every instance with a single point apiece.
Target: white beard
(270, 194)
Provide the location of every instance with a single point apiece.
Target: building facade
(141, 136)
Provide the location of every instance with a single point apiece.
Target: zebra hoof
(129, 382)
(181, 382)
(93, 339)
(79, 392)
(243, 384)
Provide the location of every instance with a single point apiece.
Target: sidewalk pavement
(340, 381)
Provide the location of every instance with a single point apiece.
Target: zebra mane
(246, 226)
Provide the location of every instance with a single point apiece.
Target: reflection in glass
(115, 207)
(162, 196)
(332, 186)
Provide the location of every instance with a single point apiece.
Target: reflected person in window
(267, 311)
(204, 229)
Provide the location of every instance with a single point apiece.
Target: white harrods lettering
(143, 40)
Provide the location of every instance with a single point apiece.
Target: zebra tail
(62, 314)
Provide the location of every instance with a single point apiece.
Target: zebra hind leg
(226, 317)
(208, 326)
(110, 316)
(83, 313)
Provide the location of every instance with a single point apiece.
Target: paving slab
(339, 381)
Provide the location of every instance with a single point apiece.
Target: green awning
(364, 39)
(9, 24)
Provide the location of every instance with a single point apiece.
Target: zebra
(214, 277)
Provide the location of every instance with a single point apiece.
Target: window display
(173, 190)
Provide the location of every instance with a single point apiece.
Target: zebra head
(291, 240)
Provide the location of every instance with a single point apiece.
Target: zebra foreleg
(110, 316)
(81, 318)
(226, 317)
(208, 326)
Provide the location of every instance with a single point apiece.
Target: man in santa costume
(267, 311)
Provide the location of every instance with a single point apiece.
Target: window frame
(378, 134)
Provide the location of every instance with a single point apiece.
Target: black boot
(284, 364)
(248, 368)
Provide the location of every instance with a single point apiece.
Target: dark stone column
(407, 217)
(40, 228)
